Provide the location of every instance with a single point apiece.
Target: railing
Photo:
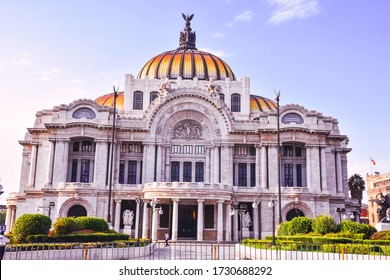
(207, 250)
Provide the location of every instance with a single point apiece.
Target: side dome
(108, 100)
(261, 104)
(186, 61)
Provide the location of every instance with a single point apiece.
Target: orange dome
(188, 64)
(261, 104)
(108, 100)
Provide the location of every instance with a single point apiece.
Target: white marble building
(194, 140)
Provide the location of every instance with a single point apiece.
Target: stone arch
(75, 201)
(297, 205)
(195, 100)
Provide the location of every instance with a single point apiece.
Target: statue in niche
(128, 217)
(188, 130)
(246, 220)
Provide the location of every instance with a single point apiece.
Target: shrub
(28, 224)
(64, 226)
(354, 227)
(92, 223)
(324, 224)
(284, 229)
(301, 225)
(381, 235)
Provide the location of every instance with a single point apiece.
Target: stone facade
(193, 147)
(376, 184)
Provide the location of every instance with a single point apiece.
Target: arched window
(236, 102)
(153, 96)
(138, 100)
(77, 211)
(222, 96)
(294, 213)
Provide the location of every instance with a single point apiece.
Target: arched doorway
(295, 212)
(77, 211)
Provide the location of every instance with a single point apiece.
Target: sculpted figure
(128, 217)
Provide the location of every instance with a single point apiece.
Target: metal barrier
(186, 250)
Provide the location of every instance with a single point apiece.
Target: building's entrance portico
(187, 221)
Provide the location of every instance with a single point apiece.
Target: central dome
(187, 61)
(188, 64)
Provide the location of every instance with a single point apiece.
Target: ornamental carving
(188, 130)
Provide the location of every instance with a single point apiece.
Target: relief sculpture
(188, 130)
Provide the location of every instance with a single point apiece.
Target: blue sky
(330, 56)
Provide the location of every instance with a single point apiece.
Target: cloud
(244, 16)
(15, 63)
(49, 74)
(287, 10)
(219, 53)
(218, 35)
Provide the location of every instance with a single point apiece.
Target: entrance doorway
(187, 221)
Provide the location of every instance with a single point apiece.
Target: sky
(330, 56)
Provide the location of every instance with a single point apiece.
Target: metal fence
(196, 251)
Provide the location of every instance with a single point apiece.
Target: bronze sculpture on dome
(187, 37)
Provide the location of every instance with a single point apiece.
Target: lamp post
(279, 159)
(112, 159)
(340, 211)
(272, 204)
(155, 207)
(239, 209)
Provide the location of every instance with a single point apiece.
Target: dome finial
(187, 37)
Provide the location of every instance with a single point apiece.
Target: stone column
(207, 176)
(137, 217)
(324, 174)
(309, 182)
(200, 220)
(235, 226)
(273, 163)
(159, 148)
(149, 163)
(49, 164)
(228, 223)
(60, 168)
(175, 219)
(216, 165)
(264, 164)
(339, 173)
(100, 167)
(145, 221)
(167, 164)
(255, 223)
(33, 165)
(155, 217)
(118, 215)
(8, 219)
(315, 169)
(258, 168)
(220, 221)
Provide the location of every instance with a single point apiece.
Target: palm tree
(356, 186)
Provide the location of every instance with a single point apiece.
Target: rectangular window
(199, 150)
(84, 172)
(175, 149)
(86, 146)
(187, 171)
(132, 172)
(287, 151)
(253, 174)
(76, 146)
(122, 172)
(252, 151)
(138, 100)
(187, 149)
(242, 175)
(74, 171)
(209, 216)
(299, 175)
(199, 172)
(298, 151)
(175, 171)
(288, 175)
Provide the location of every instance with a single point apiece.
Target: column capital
(201, 200)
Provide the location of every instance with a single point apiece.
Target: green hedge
(94, 237)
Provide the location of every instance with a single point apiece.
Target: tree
(356, 186)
